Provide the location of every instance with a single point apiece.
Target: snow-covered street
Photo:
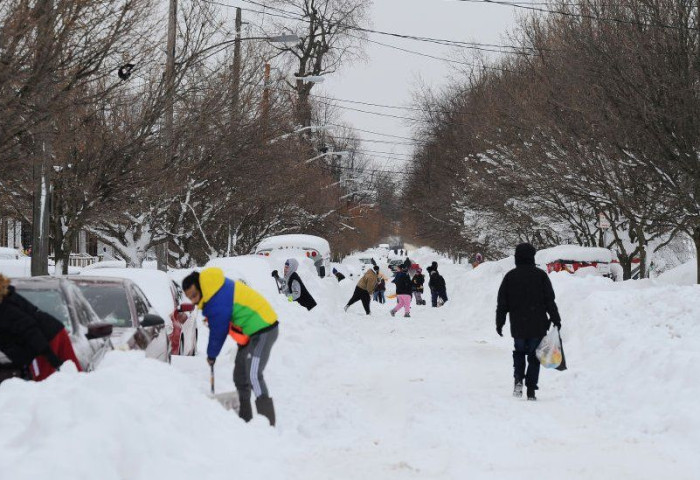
(362, 397)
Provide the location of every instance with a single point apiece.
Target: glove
(275, 273)
(499, 330)
(211, 361)
(290, 298)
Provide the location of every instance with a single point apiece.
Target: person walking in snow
(33, 341)
(364, 289)
(292, 286)
(233, 308)
(404, 292)
(527, 297)
(418, 282)
(438, 288)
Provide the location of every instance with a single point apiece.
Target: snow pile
(686, 274)
(131, 419)
(364, 397)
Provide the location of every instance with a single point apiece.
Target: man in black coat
(25, 331)
(438, 288)
(527, 295)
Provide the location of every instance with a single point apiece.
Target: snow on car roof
(155, 284)
(573, 252)
(295, 241)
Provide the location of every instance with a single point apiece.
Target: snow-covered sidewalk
(377, 397)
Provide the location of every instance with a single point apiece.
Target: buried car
(137, 325)
(89, 335)
(167, 298)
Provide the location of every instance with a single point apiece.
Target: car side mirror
(150, 320)
(99, 330)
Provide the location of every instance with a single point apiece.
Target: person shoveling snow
(233, 308)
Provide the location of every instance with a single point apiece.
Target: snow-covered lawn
(377, 397)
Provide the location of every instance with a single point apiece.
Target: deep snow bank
(133, 419)
(632, 348)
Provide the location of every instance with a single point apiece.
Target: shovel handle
(211, 379)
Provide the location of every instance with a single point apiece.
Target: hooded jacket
(526, 294)
(436, 282)
(404, 286)
(295, 287)
(368, 282)
(232, 308)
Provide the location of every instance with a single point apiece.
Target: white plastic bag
(549, 351)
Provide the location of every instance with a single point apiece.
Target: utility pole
(236, 80)
(266, 97)
(42, 159)
(162, 249)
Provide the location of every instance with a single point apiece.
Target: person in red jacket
(31, 339)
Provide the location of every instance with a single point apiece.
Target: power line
(373, 132)
(281, 13)
(421, 54)
(533, 8)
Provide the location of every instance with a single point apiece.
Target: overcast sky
(391, 77)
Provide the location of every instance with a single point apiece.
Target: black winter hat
(525, 254)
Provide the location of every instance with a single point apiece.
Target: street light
(288, 39)
(312, 128)
(341, 154)
(311, 78)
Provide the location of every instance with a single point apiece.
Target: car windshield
(51, 302)
(109, 302)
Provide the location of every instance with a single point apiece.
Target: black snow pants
(362, 295)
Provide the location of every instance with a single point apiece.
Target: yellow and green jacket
(232, 308)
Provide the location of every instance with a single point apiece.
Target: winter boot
(266, 408)
(531, 394)
(393, 313)
(245, 409)
(407, 315)
(518, 389)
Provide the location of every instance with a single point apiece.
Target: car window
(109, 302)
(50, 301)
(142, 305)
(82, 308)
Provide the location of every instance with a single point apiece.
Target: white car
(11, 254)
(314, 248)
(167, 299)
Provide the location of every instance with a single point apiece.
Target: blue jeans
(525, 347)
(434, 294)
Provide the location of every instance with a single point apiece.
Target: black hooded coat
(527, 295)
(25, 331)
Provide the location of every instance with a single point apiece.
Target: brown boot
(266, 408)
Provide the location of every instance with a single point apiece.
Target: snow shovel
(228, 400)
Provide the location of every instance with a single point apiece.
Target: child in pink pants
(404, 301)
